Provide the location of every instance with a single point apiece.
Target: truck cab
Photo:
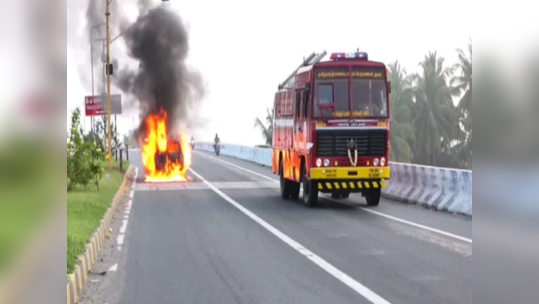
(331, 129)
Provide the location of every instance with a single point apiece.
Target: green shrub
(84, 158)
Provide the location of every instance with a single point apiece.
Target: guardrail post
(127, 152)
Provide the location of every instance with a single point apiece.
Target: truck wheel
(373, 199)
(310, 190)
(345, 195)
(294, 193)
(284, 184)
(335, 195)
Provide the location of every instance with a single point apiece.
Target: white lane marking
(124, 227)
(120, 240)
(339, 275)
(201, 186)
(441, 232)
(113, 268)
(386, 216)
(131, 194)
(121, 235)
(237, 167)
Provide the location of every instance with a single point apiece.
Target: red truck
(331, 128)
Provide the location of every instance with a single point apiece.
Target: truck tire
(294, 193)
(285, 185)
(345, 195)
(373, 198)
(310, 190)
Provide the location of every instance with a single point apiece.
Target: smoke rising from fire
(159, 41)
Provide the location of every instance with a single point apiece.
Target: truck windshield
(369, 98)
(331, 97)
(332, 94)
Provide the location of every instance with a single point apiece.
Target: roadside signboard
(97, 105)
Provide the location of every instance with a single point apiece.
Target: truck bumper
(351, 173)
(350, 179)
(350, 186)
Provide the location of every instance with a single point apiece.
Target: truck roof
(314, 61)
(373, 64)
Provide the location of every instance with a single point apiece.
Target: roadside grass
(85, 209)
(30, 186)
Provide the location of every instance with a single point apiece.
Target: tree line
(427, 126)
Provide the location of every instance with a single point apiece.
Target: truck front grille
(334, 143)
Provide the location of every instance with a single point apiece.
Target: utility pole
(115, 132)
(92, 67)
(108, 69)
(104, 90)
(92, 29)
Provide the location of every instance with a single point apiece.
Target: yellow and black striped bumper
(351, 173)
(350, 186)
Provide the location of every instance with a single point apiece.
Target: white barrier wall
(260, 156)
(438, 188)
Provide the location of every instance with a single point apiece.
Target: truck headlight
(376, 162)
(326, 162)
(383, 162)
(318, 162)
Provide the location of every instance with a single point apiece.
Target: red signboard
(95, 106)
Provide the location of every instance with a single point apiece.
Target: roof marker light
(349, 56)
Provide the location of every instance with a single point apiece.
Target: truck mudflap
(352, 186)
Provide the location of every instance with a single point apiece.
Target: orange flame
(158, 142)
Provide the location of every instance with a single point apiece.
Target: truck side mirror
(308, 87)
(389, 87)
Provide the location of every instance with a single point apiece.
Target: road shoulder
(79, 277)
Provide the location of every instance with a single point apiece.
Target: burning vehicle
(173, 154)
(165, 156)
(165, 89)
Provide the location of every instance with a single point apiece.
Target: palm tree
(266, 131)
(436, 119)
(463, 83)
(402, 135)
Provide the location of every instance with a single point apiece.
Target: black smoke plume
(159, 41)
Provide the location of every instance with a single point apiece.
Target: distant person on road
(216, 140)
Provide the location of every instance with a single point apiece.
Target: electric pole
(108, 70)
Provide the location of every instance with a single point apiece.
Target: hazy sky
(244, 49)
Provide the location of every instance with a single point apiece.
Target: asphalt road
(227, 237)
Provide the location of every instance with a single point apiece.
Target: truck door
(297, 121)
(301, 121)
